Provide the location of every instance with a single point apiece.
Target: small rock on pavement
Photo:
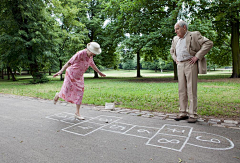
(109, 106)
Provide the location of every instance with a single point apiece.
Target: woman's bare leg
(77, 114)
(78, 109)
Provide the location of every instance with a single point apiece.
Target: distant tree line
(41, 35)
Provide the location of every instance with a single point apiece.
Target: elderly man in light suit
(188, 50)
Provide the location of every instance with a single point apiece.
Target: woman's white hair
(182, 23)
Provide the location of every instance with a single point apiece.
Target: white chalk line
(231, 143)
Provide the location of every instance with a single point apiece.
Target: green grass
(218, 95)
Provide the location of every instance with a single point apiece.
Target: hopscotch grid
(187, 138)
(133, 126)
(125, 133)
(129, 129)
(86, 121)
(65, 129)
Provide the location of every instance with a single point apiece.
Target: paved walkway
(36, 130)
(210, 121)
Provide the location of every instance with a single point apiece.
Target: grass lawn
(218, 95)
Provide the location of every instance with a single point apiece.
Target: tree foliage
(25, 35)
(103, 30)
(41, 35)
(219, 21)
(147, 23)
(70, 33)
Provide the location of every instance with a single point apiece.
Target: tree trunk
(61, 76)
(10, 71)
(175, 71)
(95, 74)
(2, 72)
(235, 48)
(173, 23)
(138, 64)
(34, 70)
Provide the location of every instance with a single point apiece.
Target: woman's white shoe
(56, 98)
(79, 117)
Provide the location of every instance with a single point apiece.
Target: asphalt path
(37, 131)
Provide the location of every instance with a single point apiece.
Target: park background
(37, 37)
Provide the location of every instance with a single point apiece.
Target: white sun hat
(94, 47)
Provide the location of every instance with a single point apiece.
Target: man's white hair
(182, 23)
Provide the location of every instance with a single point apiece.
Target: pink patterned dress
(73, 86)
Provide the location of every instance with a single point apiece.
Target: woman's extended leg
(56, 97)
(77, 114)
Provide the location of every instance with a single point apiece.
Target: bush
(39, 78)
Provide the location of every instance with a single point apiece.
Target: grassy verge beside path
(218, 95)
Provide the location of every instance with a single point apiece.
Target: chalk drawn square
(168, 141)
(83, 128)
(184, 131)
(73, 120)
(102, 119)
(118, 127)
(210, 141)
(142, 131)
(60, 116)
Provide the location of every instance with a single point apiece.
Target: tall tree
(70, 33)
(103, 30)
(147, 23)
(94, 22)
(224, 18)
(25, 34)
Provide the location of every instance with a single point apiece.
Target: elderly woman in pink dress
(73, 85)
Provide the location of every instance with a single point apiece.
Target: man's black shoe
(181, 118)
